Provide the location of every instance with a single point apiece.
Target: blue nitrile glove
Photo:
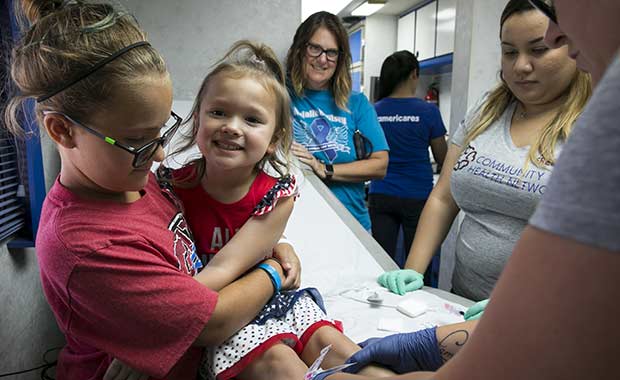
(475, 312)
(401, 281)
(402, 353)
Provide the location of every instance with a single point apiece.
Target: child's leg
(342, 349)
(279, 362)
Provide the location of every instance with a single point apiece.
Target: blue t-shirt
(409, 125)
(327, 132)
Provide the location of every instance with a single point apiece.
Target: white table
(342, 260)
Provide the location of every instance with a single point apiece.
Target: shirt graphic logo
(526, 178)
(320, 132)
(219, 239)
(468, 156)
(320, 129)
(183, 246)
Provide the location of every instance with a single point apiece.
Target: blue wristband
(273, 275)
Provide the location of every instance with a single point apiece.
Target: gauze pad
(412, 308)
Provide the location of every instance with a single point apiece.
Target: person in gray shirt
(500, 158)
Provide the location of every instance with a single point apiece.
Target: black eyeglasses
(144, 153)
(315, 51)
(546, 7)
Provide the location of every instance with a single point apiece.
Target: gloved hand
(475, 312)
(416, 351)
(401, 281)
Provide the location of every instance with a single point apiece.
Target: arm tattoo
(451, 344)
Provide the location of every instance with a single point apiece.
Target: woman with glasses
(117, 260)
(554, 310)
(336, 130)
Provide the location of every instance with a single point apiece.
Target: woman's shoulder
(358, 101)
(477, 110)
(357, 96)
(387, 106)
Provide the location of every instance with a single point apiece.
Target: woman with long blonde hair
(500, 158)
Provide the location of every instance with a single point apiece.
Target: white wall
(475, 68)
(476, 53)
(485, 50)
(308, 7)
(193, 34)
(380, 41)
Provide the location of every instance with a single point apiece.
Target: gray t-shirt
(498, 194)
(583, 201)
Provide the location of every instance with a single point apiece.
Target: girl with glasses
(117, 260)
(327, 114)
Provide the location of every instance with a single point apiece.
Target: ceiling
(392, 7)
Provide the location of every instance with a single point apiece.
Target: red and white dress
(290, 317)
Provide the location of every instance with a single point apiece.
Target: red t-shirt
(214, 223)
(118, 278)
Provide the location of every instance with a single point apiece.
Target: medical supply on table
(364, 316)
(375, 298)
(364, 294)
(453, 310)
(315, 372)
(412, 308)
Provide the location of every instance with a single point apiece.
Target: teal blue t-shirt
(327, 132)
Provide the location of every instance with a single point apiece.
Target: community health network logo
(467, 157)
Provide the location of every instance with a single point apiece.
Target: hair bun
(34, 10)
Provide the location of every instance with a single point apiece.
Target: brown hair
(340, 84)
(66, 38)
(258, 61)
(558, 129)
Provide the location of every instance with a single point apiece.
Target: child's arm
(289, 260)
(251, 244)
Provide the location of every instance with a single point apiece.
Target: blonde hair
(258, 61)
(66, 38)
(542, 151)
(340, 84)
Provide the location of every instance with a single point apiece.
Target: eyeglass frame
(162, 141)
(547, 9)
(326, 51)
